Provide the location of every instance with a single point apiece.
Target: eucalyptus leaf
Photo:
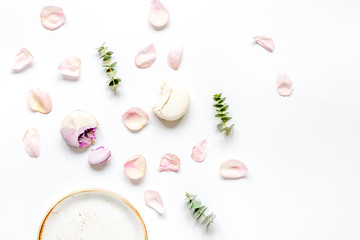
(106, 57)
(111, 74)
(222, 100)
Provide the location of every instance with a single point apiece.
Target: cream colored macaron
(173, 102)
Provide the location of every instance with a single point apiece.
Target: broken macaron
(78, 129)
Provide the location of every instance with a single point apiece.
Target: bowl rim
(89, 190)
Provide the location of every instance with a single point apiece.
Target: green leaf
(118, 79)
(222, 100)
(196, 204)
(203, 209)
(222, 130)
(216, 98)
(189, 204)
(220, 126)
(220, 115)
(225, 119)
(114, 82)
(218, 105)
(217, 95)
(113, 64)
(224, 108)
(196, 213)
(109, 53)
(232, 125)
(106, 57)
(111, 74)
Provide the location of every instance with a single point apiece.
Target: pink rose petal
(265, 42)
(158, 15)
(39, 101)
(153, 200)
(52, 17)
(99, 156)
(135, 167)
(170, 163)
(145, 57)
(199, 151)
(233, 169)
(284, 85)
(23, 60)
(70, 67)
(135, 119)
(175, 56)
(31, 141)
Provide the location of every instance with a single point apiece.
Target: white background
(302, 151)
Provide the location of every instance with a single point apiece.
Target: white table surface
(302, 152)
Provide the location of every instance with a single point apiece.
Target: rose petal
(23, 60)
(39, 101)
(135, 167)
(52, 17)
(175, 56)
(145, 57)
(284, 85)
(70, 67)
(135, 119)
(169, 162)
(199, 151)
(265, 42)
(158, 15)
(233, 169)
(78, 129)
(31, 141)
(153, 200)
(99, 156)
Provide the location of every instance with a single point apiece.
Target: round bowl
(92, 214)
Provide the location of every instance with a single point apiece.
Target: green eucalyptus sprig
(198, 210)
(222, 113)
(110, 67)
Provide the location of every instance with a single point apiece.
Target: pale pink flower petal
(175, 56)
(153, 200)
(70, 67)
(265, 42)
(135, 119)
(135, 167)
(170, 163)
(99, 156)
(52, 17)
(31, 141)
(199, 151)
(158, 15)
(145, 57)
(78, 129)
(284, 85)
(23, 60)
(39, 101)
(233, 169)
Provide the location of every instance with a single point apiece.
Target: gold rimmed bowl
(92, 214)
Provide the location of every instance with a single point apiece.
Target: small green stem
(113, 80)
(227, 131)
(202, 214)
